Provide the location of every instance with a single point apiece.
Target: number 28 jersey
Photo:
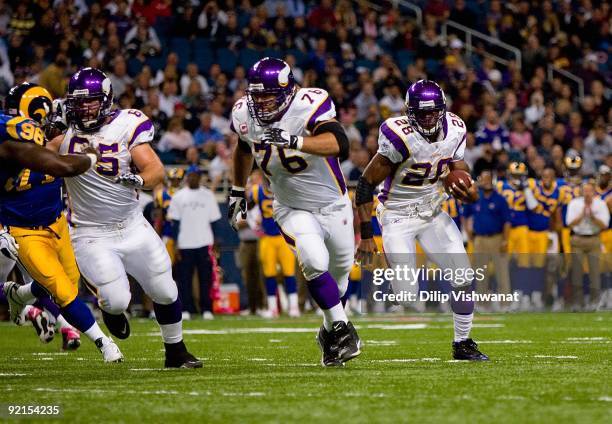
(93, 197)
(420, 164)
(298, 180)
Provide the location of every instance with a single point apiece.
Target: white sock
(336, 313)
(25, 293)
(272, 306)
(293, 300)
(172, 333)
(95, 332)
(62, 323)
(462, 325)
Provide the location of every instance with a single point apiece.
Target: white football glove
(130, 180)
(237, 205)
(8, 245)
(281, 138)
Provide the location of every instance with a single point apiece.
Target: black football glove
(237, 205)
(281, 138)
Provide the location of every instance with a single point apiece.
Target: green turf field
(544, 368)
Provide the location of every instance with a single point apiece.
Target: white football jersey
(299, 180)
(93, 197)
(420, 163)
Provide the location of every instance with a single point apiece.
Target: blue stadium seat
(365, 63)
(156, 62)
(300, 57)
(273, 53)
(248, 57)
(201, 44)
(182, 47)
(432, 66)
(227, 60)
(204, 59)
(134, 66)
(403, 58)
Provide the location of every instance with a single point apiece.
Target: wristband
(366, 230)
(299, 143)
(93, 158)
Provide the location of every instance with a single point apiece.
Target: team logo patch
(243, 128)
(283, 76)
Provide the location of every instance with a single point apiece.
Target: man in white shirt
(193, 210)
(587, 216)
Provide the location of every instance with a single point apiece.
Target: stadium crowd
(184, 64)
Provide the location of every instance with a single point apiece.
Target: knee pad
(162, 288)
(314, 258)
(115, 303)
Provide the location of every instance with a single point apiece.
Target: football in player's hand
(458, 183)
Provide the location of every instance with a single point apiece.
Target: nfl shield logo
(243, 128)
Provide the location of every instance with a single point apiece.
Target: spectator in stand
(520, 137)
(119, 77)
(393, 104)
(176, 139)
(218, 121)
(193, 211)
(168, 97)
(192, 73)
(206, 137)
(597, 146)
(492, 132)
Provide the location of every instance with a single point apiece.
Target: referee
(587, 217)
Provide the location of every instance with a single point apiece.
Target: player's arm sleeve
(459, 152)
(142, 133)
(391, 145)
(242, 143)
(336, 129)
(324, 110)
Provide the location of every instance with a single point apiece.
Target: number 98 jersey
(420, 164)
(298, 180)
(93, 197)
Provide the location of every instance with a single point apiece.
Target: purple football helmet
(271, 89)
(426, 107)
(89, 100)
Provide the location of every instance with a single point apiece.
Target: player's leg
(269, 261)
(443, 244)
(286, 259)
(304, 233)
(39, 254)
(205, 276)
(399, 243)
(6, 266)
(146, 259)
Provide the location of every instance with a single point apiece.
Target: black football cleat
(347, 341)
(118, 325)
(329, 351)
(467, 350)
(177, 356)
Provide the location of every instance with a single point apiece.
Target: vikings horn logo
(283, 76)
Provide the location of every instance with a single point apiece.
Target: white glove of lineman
(8, 245)
(130, 180)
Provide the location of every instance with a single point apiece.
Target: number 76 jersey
(298, 180)
(420, 164)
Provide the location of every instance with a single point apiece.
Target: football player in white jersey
(293, 135)
(414, 152)
(111, 238)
